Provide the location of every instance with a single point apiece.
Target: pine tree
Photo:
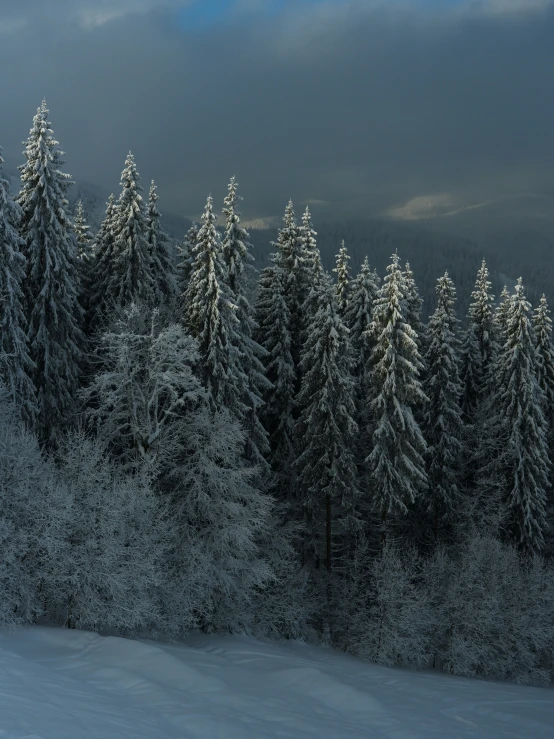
(523, 463)
(52, 282)
(130, 278)
(343, 280)
(102, 265)
(500, 319)
(240, 272)
(482, 320)
(443, 423)
(186, 254)
(211, 316)
(161, 264)
(396, 462)
(274, 335)
(326, 431)
(16, 367)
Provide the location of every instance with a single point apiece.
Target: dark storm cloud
(346, 102)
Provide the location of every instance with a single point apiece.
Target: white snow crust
(62, 684)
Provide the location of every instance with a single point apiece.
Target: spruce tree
(310, 277)
(161, 263)
(16, 366)
(500, 319)
(326, 431)
(186, 256)
(85, 255)
(396, 461)
(358, 316)
(443, 422)
(291, 259)
(82, 236)
(481, 320)
(52, 286)
(343, 280)
(211, 316)
(414, 303)
(100, 304)
(130, 277)
(274, 335)
(240, 274)
(523, 463)
(545, 368)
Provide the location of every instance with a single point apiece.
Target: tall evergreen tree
(326, 430)
(291, 259)
(211, 316)
(500, 318)
(186, 255)
(161, 263)
(358, 316)
(130, 278)
(443, 422)
(16, 367)
(396, 463)
(523, 464)
(414, 303)
(273, 333)
(479, 349)
(82, 236)
(238, 258)
(542, 324)
(85, 255)
(343, 279)
(101, 267)
(52, 281)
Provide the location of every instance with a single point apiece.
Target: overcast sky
(372, 102)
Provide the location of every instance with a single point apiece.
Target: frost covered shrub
(393, 621)
(112, 563)
(31, 535)
(493, 611)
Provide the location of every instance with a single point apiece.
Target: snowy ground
(59, 684)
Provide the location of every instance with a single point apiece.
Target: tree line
(195, 444)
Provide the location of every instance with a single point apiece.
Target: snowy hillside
(61, 684)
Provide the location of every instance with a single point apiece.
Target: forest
(292, 452)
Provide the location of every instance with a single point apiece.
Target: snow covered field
(59, 684)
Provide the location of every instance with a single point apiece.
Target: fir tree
(500, 318)
(523, 464)
(238, 258)
(343, 280)
(52, 282)
(326, 430)
(130, 278)
(211, 316)
(16, 367)
(443, 423)
(161, 264)
(396, 463)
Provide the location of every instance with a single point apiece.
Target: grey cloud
(343, 104)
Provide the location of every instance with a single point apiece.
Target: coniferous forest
(188, 443)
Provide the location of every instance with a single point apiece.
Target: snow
(64, 684)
